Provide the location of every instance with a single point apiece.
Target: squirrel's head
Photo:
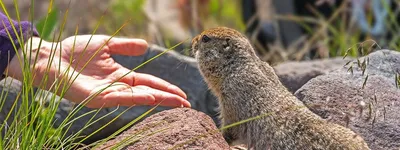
(219, 48)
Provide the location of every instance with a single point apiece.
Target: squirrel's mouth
(194, 52)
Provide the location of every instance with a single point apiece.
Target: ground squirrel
(247, 87)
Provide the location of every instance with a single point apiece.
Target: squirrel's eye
(205, 38)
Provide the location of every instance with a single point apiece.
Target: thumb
(126, 46)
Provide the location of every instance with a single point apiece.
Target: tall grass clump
(29, 121)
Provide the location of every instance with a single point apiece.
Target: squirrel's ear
(226, 44)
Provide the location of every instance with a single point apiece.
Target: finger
(168, 99)
(128, 96)
(127, 75)
(142, 95)
(127, 46)
(157, 83)
(134, 79)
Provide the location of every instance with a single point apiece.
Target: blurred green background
(280, 30)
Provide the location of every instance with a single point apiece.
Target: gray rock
(180, 128)
(295, 74)
(371, 111)
(9, 90)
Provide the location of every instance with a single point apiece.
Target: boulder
(367, 103)
(180, 128)
(295, 74)
(9, 92)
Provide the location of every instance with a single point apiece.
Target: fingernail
(188, 104)
(179, 90)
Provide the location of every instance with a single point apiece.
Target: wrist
(27, 54)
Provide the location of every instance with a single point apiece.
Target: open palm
(86, 62)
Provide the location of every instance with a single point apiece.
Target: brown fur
(248, 87)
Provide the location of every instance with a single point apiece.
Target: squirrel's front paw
(229, 137)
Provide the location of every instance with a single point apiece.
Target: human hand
(97, 71)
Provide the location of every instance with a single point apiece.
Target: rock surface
(295, 74)
(180, 128)
(9, 89)
(371, 111)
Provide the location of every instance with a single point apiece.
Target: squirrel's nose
(195, 40)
